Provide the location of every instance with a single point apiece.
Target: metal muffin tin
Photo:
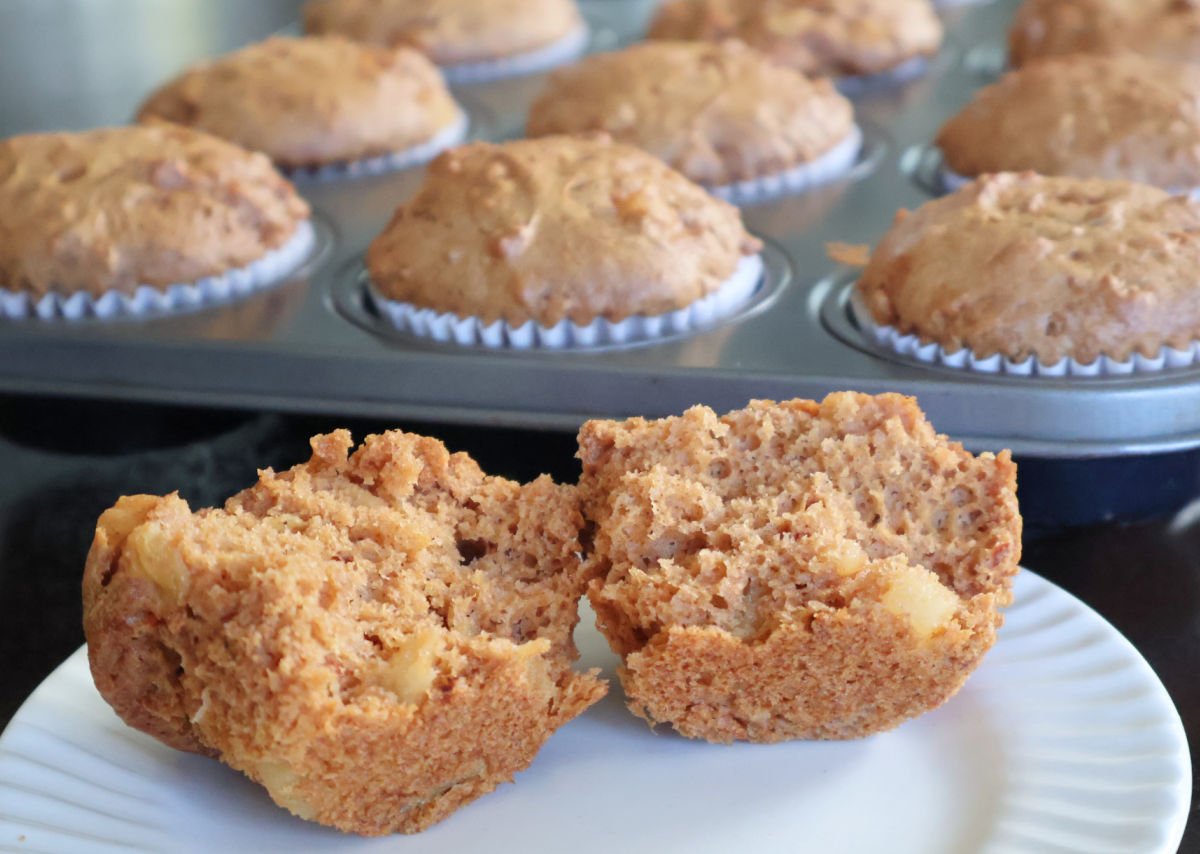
(313, 345)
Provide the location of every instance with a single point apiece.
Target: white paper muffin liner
(864, 84)
(950, 181)
(397, 161)
(149, 301)
(566, 49)
(828, 167)
(911, 346)
(449, 328)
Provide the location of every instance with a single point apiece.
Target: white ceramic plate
(1063, 741)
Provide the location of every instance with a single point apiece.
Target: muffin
(449, 32)
(1022, 267)
(719, 113)
(1121, 117)
(109, 211)
(1166, 29)
(830, 37)
(308, 102)
(557, 230)
(795, 570)
(377, 638)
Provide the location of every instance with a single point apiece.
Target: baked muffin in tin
(1121, 117)
(314, 101)
(1166, 29)
(837, 38)
(457, 34)
(1042, 272)
(557, 230)
(159, 208)
(720, 113)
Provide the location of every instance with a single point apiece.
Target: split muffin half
(795, 570)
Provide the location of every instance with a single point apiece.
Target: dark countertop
(1144, 578)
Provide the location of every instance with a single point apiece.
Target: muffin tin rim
(347, 297)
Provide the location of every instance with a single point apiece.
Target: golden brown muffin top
(833, 37)
(376, 637)
(1021, 264)
(448, 31)
(1166, 29)
(1127, 117)
(719, 113)
(115, 208)
(553, 228)
(311, 101)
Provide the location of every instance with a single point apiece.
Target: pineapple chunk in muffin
(376, 638)
(795, 570)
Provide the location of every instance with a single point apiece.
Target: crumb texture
(447, 31)
(553, 228)
(115, 208)
(795, 570)
(1021, 265)
(1121, 117)
(1167, 29)
(718, 113)
(826, 37)
(377, 638)
(311, 101)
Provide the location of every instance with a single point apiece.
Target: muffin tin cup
(149, 301)
(449, 328)
(866, 84)
(566, 49)
(448, 137)
(830, 166)
(911, 346)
